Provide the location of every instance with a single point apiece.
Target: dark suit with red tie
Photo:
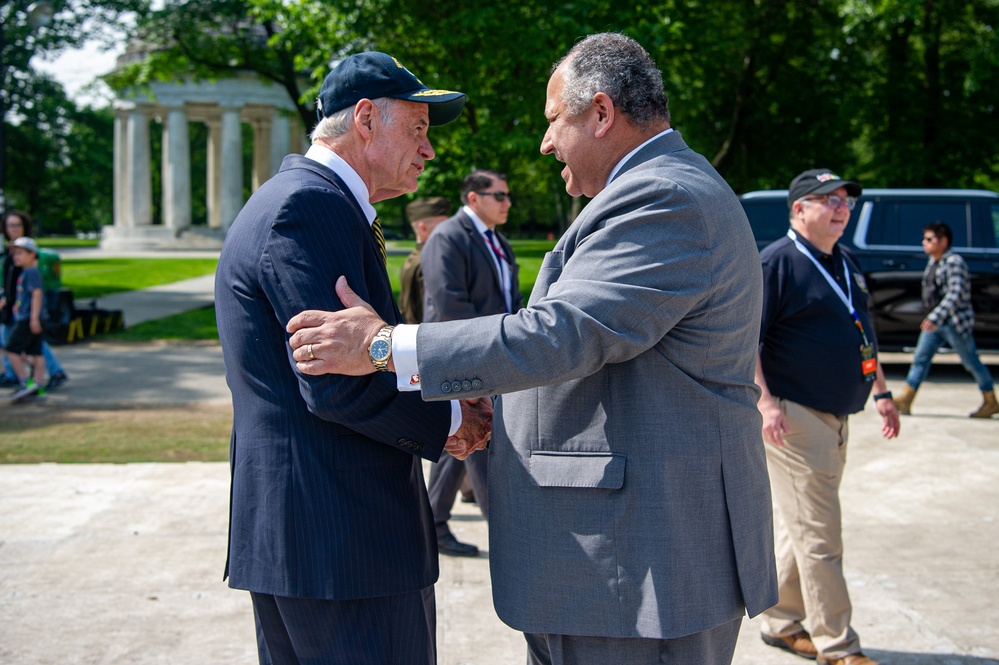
(461, 281)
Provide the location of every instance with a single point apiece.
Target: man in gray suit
(631, 516)
(470, 271)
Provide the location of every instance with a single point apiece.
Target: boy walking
(25, 337)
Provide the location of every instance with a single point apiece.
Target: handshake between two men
(337, 343)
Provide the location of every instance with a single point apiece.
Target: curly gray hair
(619, 67)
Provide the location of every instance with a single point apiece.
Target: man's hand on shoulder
(335, 342)
(476, 428)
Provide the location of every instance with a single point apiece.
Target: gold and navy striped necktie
(376, 228)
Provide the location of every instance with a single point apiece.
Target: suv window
(768, 217)
(900, 223)
(994, 240)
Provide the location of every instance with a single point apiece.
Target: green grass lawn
(90, 278)
(195, 325)
(57, 242)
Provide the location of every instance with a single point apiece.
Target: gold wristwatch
(380, 350)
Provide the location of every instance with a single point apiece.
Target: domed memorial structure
(222, 105)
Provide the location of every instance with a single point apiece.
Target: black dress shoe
(453, 547)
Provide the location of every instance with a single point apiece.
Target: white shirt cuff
(407, 369)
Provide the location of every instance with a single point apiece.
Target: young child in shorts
(25, 338)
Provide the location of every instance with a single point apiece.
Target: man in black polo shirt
(817, 365)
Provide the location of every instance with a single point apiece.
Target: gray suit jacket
(629, 488)
(460, 280)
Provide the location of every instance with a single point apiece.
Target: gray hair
(337, 124)
(619, 67)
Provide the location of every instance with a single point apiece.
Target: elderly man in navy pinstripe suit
(330, 528)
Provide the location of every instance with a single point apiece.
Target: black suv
(885, 234)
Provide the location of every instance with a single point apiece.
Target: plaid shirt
(951, 291)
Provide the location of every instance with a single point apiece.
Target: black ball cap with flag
(818, 181)
(371, 75)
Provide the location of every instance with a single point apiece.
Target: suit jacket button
(466, 385)
(456, 386)
(476, 383)
(445, 387)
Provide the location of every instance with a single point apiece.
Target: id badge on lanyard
(868, 360)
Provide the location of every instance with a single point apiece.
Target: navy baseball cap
(818, 181)
(371, 75)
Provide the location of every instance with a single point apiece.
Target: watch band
(381, 342)
(886, 395)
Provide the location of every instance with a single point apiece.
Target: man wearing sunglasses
(817, 365)
(949, 320)
(469, 270)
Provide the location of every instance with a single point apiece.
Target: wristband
(886, 395)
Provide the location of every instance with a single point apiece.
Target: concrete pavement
(110, 564)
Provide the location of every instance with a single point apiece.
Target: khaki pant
(805, 477)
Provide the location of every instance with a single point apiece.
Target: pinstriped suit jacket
(628, 484)
(328, 499)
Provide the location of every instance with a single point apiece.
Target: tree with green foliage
(927, 109)
(56, 153)
(60, 160)
(892, 92)
(211, 39)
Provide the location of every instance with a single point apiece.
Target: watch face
(380, 349)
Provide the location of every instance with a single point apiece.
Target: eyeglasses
(929, 238)
(499, 196)
(834, 201)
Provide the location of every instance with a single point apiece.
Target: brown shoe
(989, 406)
(904, 401)
(800, 644)
(852, 659)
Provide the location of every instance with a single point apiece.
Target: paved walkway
(115, 564)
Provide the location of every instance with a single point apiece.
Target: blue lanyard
(846, 298)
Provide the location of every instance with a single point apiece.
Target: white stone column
(261, 151)
(214, 174)
(280, 140)
(176, 170)
(232, 166)
(120, 166)
(138, 179)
